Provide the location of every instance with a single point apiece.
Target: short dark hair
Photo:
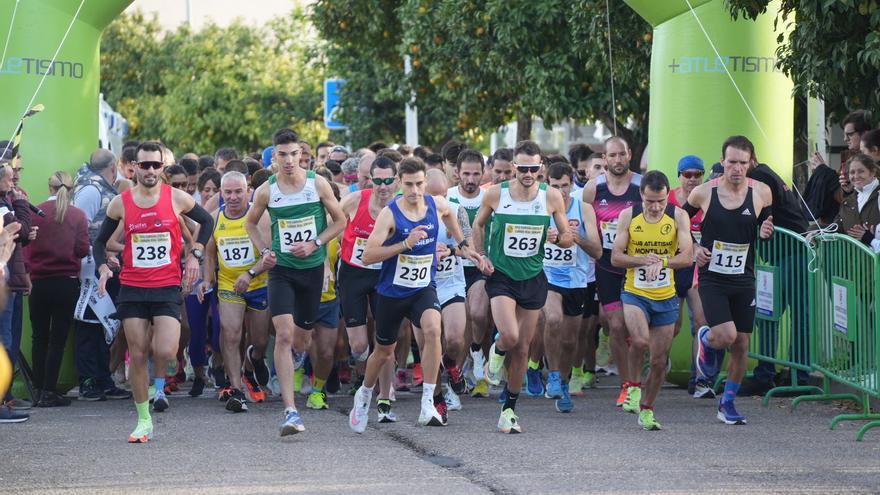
(859, 120)
(131, 144)
(411, 165)
(236, 166)
(579, 152)
(209, 174)
(871, 139)
(559, 169)
(593, 156)
(527, 147)
(252, 166)
(259, 177)
(325, 144)
(654, 180)
(129, 154)
(423, 152)
(151, 146)
(505, 154)
(470, 156)
(451, 150)
(226, 154)
(333, 166)
(205, 161)
(175, 170)
(376, 146)
(556, 157)
(285, 136)
(384, 162)
(191, 166)
(738, 142)
(433, 160)
(394, 155)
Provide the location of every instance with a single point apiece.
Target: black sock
(510, 402)
(475, 347)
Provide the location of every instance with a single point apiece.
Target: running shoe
(633, 398)
(430, 416)
(417, 375)
(225, 394)
(237, 402)
(621, 397)
(707, 361)
(116, 393)
(564, 403)
(198, 387)
(142, 433)
(400, 380)
(496, 364)
(456, 380)
(160, 402)
(603, 351)
(576, 383)
(386, 415)
(608, 370)
(442, 408)
(534, 383)
(261, 371)
(481, 389)
(254, 390)
(171, 384)
(509, 422)
(360, 413)
(703, 390)
(479, 361)
(317, 400)
(356, 384)
(647, 421)
(292, 423)
(727, 414)
(9, 416)
(589, 379)
(453, 402)
(554, 385)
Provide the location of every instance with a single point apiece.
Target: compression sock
(159, 383)
(318, 384)
(730, 390)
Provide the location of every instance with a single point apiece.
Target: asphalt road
(200, 448)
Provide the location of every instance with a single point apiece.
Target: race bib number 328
(151, 250)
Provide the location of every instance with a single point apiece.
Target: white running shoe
(360, 413)
(453, 402)
(479, 366)
(429, 416)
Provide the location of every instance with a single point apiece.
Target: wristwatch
(198, 254)
(251, 272)
(264, 251)
(318, 242)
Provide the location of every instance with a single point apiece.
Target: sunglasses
(387, 181)
(532, 169)
(150, 165)
(692, 175)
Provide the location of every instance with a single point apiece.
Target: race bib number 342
(522, 240)
(151, 250)
(728, 258)
(413, 271)
(297, 230)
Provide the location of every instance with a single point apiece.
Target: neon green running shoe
(633, 397)
(142, 433)
(576, 385)
(589, 379)
(509, 422)
(647, 421)
(317, 400)
(496, 362)
(481, 389)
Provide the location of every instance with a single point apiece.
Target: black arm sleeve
(206, 223)
(108, 227)
(765, 212)
(690, 209)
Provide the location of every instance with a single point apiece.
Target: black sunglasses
(149, 165)
(387, 181)
(528, 168)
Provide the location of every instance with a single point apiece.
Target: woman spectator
(54, 260)
(859, 213)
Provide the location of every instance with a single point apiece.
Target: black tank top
(608, 207)
(730, 236)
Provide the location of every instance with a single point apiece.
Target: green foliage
(832, 51)
(221, 86)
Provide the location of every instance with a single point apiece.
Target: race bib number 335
(522, 240)
(151, 250)
(297, 230)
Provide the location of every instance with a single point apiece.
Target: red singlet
(354, 240)
(153, 243)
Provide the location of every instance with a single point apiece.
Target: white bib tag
(521, 240)
(357, 253)
(298, 230)
(446, 267)
(555, 256)
(151, 250)
(640, 278)
(236, 251)
(609, 233)
(413, 271)
(728, 258)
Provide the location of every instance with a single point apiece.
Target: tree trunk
(523, 127)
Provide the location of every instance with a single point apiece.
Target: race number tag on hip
(236, 251)
(641, 278)
(521, 240)
(609, 233)
(446, 267)
(413, 271)
(555, 256)
(357, 253)
(728, 258)
(298, 230)
(151, 250)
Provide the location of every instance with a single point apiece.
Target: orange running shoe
(621, 398)
(225, 394)
(254, 390)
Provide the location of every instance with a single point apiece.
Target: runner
(405, 241)
(519, 211)
(610, 194)
(733, 207)
(298, 204)
(566, 271)
(653, 239)
(451, 292)
(326, 330)
(358, 280)
(242, 293)
(149, 298)
(469, 168)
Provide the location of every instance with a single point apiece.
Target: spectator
(859, 213)
(55, 275)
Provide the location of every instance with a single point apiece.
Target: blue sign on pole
(331, 104)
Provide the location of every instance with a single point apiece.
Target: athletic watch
(264, 251)
(198, 254)
(318, 242)
(251, 272)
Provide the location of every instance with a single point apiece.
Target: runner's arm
(592, 245)
(589, 194)
(685, 256)
(374, 251)
(619, 258)
(563, 236)
(695, 201)
(210, 265)
(331, 204)
(255, 213)
(108, 226)
(490, 200)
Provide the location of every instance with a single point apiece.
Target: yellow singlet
(660, 238)
(235, 252)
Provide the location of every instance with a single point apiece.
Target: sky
(173, 12)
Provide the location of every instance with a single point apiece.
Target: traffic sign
(331, 104)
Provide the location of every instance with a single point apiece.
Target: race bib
(521, 240)
(609, 233)
(640, 278)
(728, 258)
(151, 250)
(557, 257)
(446, 267)
(298, 230)
(236, 251)
(357, 253)
(413, 271)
